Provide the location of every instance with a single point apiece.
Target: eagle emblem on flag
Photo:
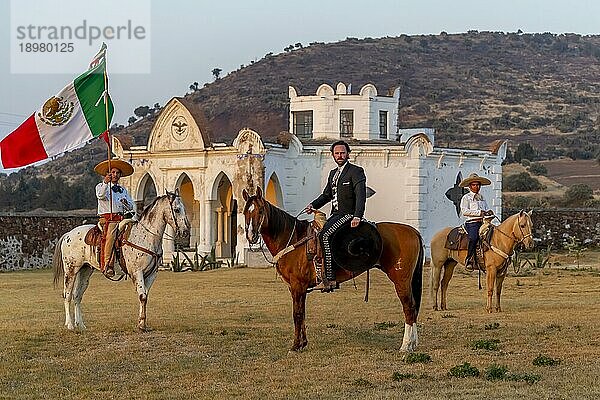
(56, 111)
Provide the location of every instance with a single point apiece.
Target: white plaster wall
(327, 103)
(409, 188)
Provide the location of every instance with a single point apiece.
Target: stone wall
(559, 227)
(27, 241)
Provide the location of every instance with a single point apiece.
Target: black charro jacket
(351, 191)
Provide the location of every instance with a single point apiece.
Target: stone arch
(146, 191)
(180, 126)
(419, 145)
(224, 216)
(325, 90)
(369, 90)
(248, 142)
(273, 192)
(186, 189)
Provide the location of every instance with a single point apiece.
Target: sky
(186, 39)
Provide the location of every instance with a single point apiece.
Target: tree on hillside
(142, 111)
(577, 195)
(131, 120)
(194, 86)
(522, 182)
(537, 168)
(524, 150)
(216, 73)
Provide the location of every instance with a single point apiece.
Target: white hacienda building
(415, 183)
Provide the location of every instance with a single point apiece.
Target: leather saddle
(458, 239)
(93, 237)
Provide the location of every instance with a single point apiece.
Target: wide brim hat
(125, 168)
(356, 249)
(474, 178)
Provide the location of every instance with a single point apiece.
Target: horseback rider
(474, 207)
(114, 204)
(346, 189)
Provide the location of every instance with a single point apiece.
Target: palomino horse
(401, 259)
(515, 230)
(142, 252)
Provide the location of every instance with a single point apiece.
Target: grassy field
(225, 334)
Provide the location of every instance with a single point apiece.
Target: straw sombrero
(474, 178)
(125, 168)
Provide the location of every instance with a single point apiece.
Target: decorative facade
(414, 182)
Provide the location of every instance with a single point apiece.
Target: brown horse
(515, 230)
(401, 260)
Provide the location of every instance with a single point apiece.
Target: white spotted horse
(75, 261)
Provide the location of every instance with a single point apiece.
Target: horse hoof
(407, 349)
(70, 327)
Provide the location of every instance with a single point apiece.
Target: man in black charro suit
(347, 190)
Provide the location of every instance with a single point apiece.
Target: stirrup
(109, 272)
(326, 286)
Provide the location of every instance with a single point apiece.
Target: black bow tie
(117, 189)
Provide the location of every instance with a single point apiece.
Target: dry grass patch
(226, 333)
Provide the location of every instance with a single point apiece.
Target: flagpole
(108, 138)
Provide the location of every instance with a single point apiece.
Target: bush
(524, 150)
(413, 358)
(577, 195)
(537, 168)
(496, 372)
(524, 202)
(522, 182)
(485, 344)
(525, 162)
(463, 371)
(543, 360)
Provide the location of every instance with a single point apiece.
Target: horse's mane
(281, 222)
(150, 206)
(512, 218)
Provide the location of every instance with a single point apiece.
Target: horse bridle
(262, 220)
(513, 237)
(169, 194)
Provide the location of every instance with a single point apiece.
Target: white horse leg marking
(138, 281)
(81, 284)
(411, 339)
(68, 296)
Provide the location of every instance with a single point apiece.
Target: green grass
(225, 334)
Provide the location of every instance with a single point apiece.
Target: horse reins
(287, 247)
(511, 237)
(174, 220)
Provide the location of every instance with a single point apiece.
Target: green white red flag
(78, 113)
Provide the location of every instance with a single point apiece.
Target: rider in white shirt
(114, 203)
(474, 207)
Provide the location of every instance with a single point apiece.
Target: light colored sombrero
(125, 168)
(474, 178)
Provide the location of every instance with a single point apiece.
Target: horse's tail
(57, 262)
(417, 277)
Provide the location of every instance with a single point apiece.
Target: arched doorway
(146, 193)
(225, 221)
(273, 191)
(192, 209)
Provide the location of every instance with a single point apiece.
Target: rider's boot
(109, 269)
(470, 263)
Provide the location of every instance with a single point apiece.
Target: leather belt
(474, 220)
(112, 217)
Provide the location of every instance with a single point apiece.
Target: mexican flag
(64, 122)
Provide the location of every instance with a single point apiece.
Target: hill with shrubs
(538, 90)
